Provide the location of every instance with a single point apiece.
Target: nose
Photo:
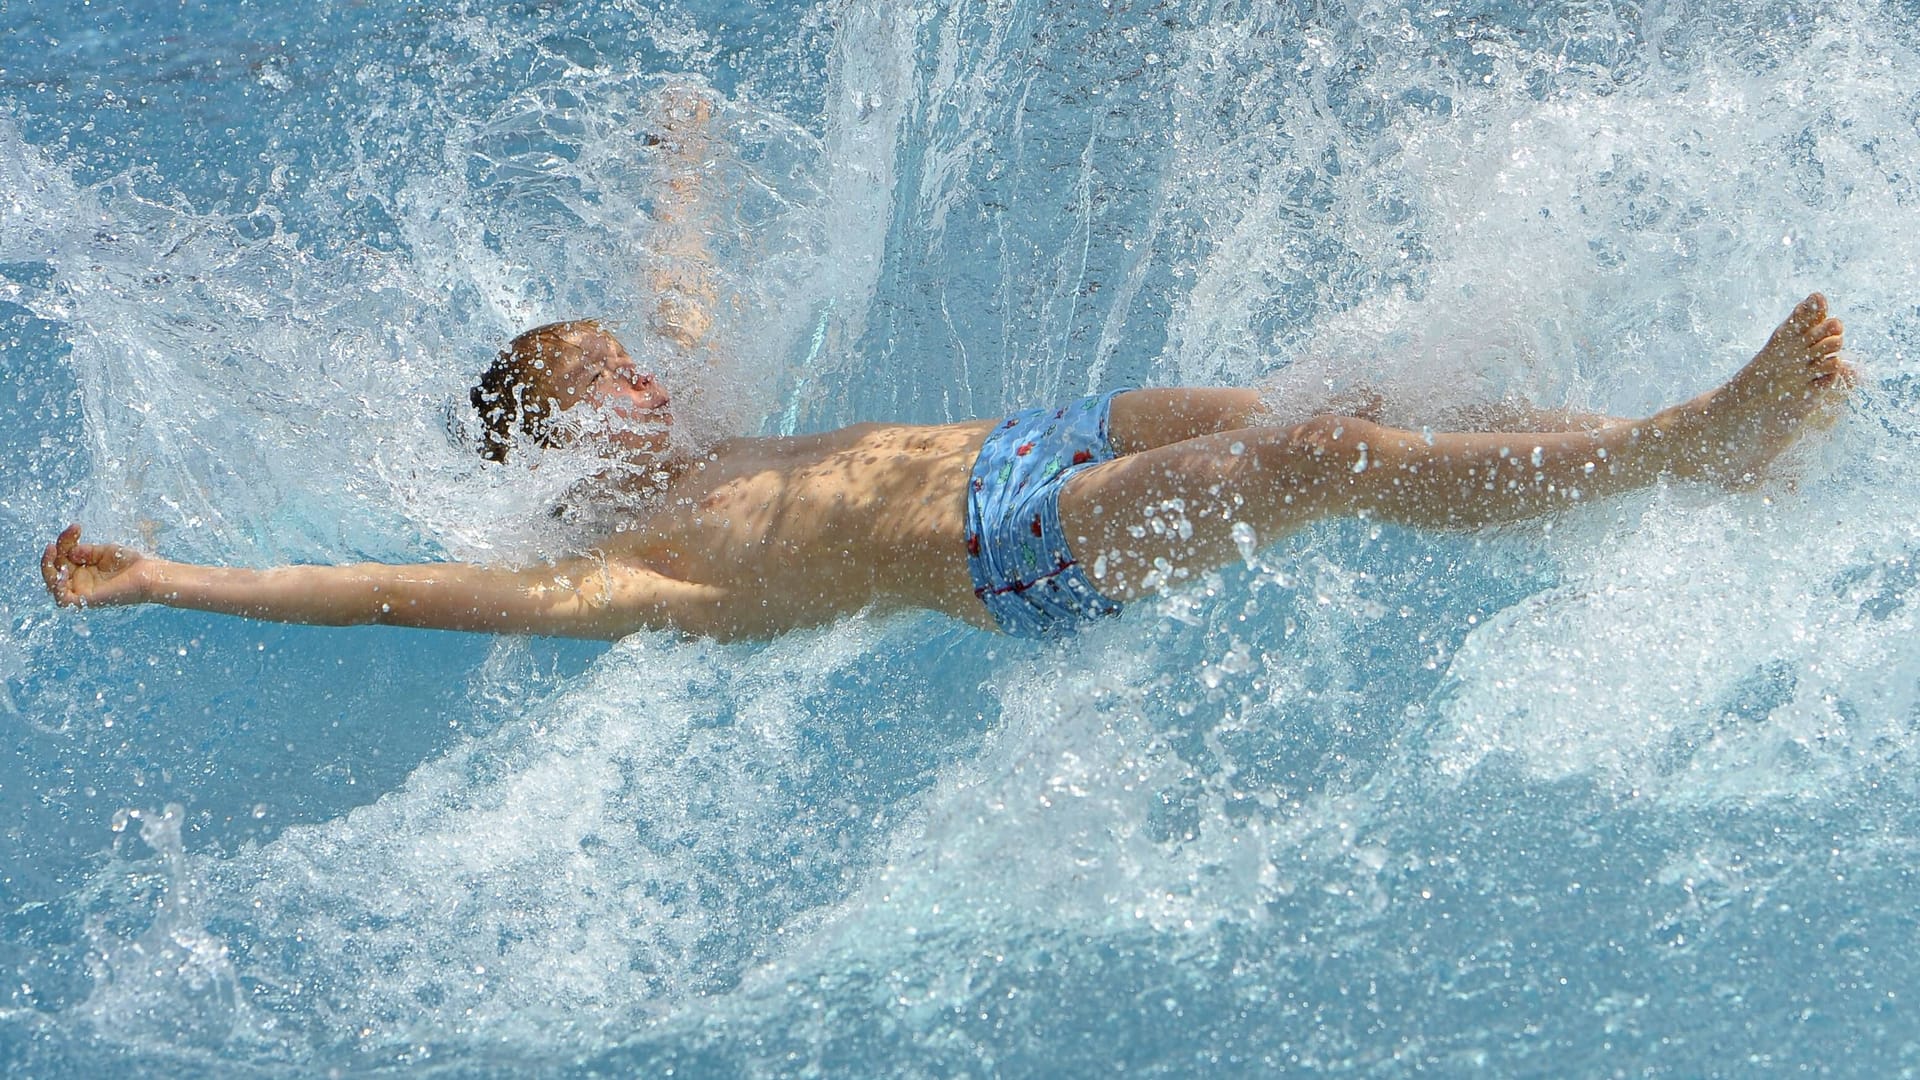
(645, 386)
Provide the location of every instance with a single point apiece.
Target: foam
(1280, 786)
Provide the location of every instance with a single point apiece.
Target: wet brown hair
(516, 393)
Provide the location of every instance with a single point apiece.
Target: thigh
(1149, 519)
(1148, 419)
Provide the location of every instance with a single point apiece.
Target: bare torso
(799, 531)
(802, 530)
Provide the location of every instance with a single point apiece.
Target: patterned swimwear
(1017, 553)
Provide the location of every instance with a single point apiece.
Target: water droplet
(1245, 540)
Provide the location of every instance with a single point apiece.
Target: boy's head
(550, 369)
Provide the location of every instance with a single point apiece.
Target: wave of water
(1629, 791)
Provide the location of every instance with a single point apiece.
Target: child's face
(603, 377)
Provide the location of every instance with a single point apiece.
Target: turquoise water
(1627, 793)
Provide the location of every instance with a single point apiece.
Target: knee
(1329, 437)
(1322, 463)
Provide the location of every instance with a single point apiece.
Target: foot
(1796, 382)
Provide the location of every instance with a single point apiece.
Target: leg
(1148, 419)
(1145, 520)
(1512, 415)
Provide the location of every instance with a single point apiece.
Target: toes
(1808, 312)
(1826, 338)
(1826, 328)
(1833, 373)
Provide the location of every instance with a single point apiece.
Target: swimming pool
(1631, 793)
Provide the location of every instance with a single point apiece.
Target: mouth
(635, 409)
(632, 421)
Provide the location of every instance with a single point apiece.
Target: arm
(684, 282)
(580, 597)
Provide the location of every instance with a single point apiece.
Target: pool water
(1627, 792)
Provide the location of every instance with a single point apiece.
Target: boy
(1029, 524)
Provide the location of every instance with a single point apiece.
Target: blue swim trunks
(1022, 568)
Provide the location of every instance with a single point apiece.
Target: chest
(888, 488)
